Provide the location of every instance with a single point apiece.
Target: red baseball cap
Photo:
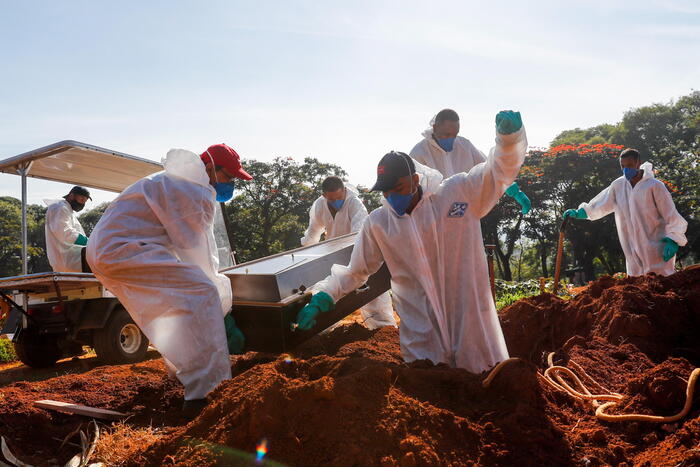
(227, 158)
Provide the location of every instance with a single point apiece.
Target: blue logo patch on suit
(458, 210)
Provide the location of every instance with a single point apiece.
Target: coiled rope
(554, 377)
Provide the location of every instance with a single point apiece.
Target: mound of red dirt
(36, 435)
(364, 407)
(660, 316)
(347, 398)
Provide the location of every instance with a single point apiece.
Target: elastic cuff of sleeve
(507, 140)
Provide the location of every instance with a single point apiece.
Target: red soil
(346, 398)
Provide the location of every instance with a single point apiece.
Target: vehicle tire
(37, 351)
(121, 340)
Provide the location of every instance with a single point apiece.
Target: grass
(508, 293)
(123, 442)
(7, 351)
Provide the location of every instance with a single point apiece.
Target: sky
(342, 81)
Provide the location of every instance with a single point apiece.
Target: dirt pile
(357, 404)
(35, 435)
(361, 407)
(347, 398)
(660, 316)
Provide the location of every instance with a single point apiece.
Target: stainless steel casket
(269, 292)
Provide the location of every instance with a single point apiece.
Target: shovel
(560, 252)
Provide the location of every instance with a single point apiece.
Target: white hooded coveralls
(61, 231)
(644, 215)
(154, 249)
(462, 158)
(352, 214)
(436, 257)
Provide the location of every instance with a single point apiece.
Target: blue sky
(343, 81)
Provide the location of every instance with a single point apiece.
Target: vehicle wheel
(121, 340)
(37, 351)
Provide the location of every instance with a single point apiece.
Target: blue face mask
(337, 204)
(629, 173)
(399, 202)
(224, 191)
(446, 143)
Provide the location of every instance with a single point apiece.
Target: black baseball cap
(79, 190)
(391, 168)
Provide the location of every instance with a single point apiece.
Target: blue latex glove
(320, 302)
(81, 240)
(508, 122)
(575, 213)
(234, 336)
(514, 192)
(670, 248)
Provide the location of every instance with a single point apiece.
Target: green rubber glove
(320, 302)
(81, 240)
(508, 122)
(575, 213)
(234, 336)
(670, 248)
(514, 192)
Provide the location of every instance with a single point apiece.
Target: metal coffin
(268, 327)
(274, 278)
(269, 292)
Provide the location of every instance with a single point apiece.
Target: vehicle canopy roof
(81, 164)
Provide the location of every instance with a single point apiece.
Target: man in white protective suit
(428, 233)
(648, 225)
(154, 249)
(65, 237)
(444, 150)
(339, 211)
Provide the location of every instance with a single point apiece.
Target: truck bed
(43, 284)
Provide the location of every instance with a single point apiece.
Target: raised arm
(485, 183)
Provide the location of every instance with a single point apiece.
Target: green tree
(596, 135)
(11, 237)
(36, 237)
(90, 218)
(371, 199)
(502, 227)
